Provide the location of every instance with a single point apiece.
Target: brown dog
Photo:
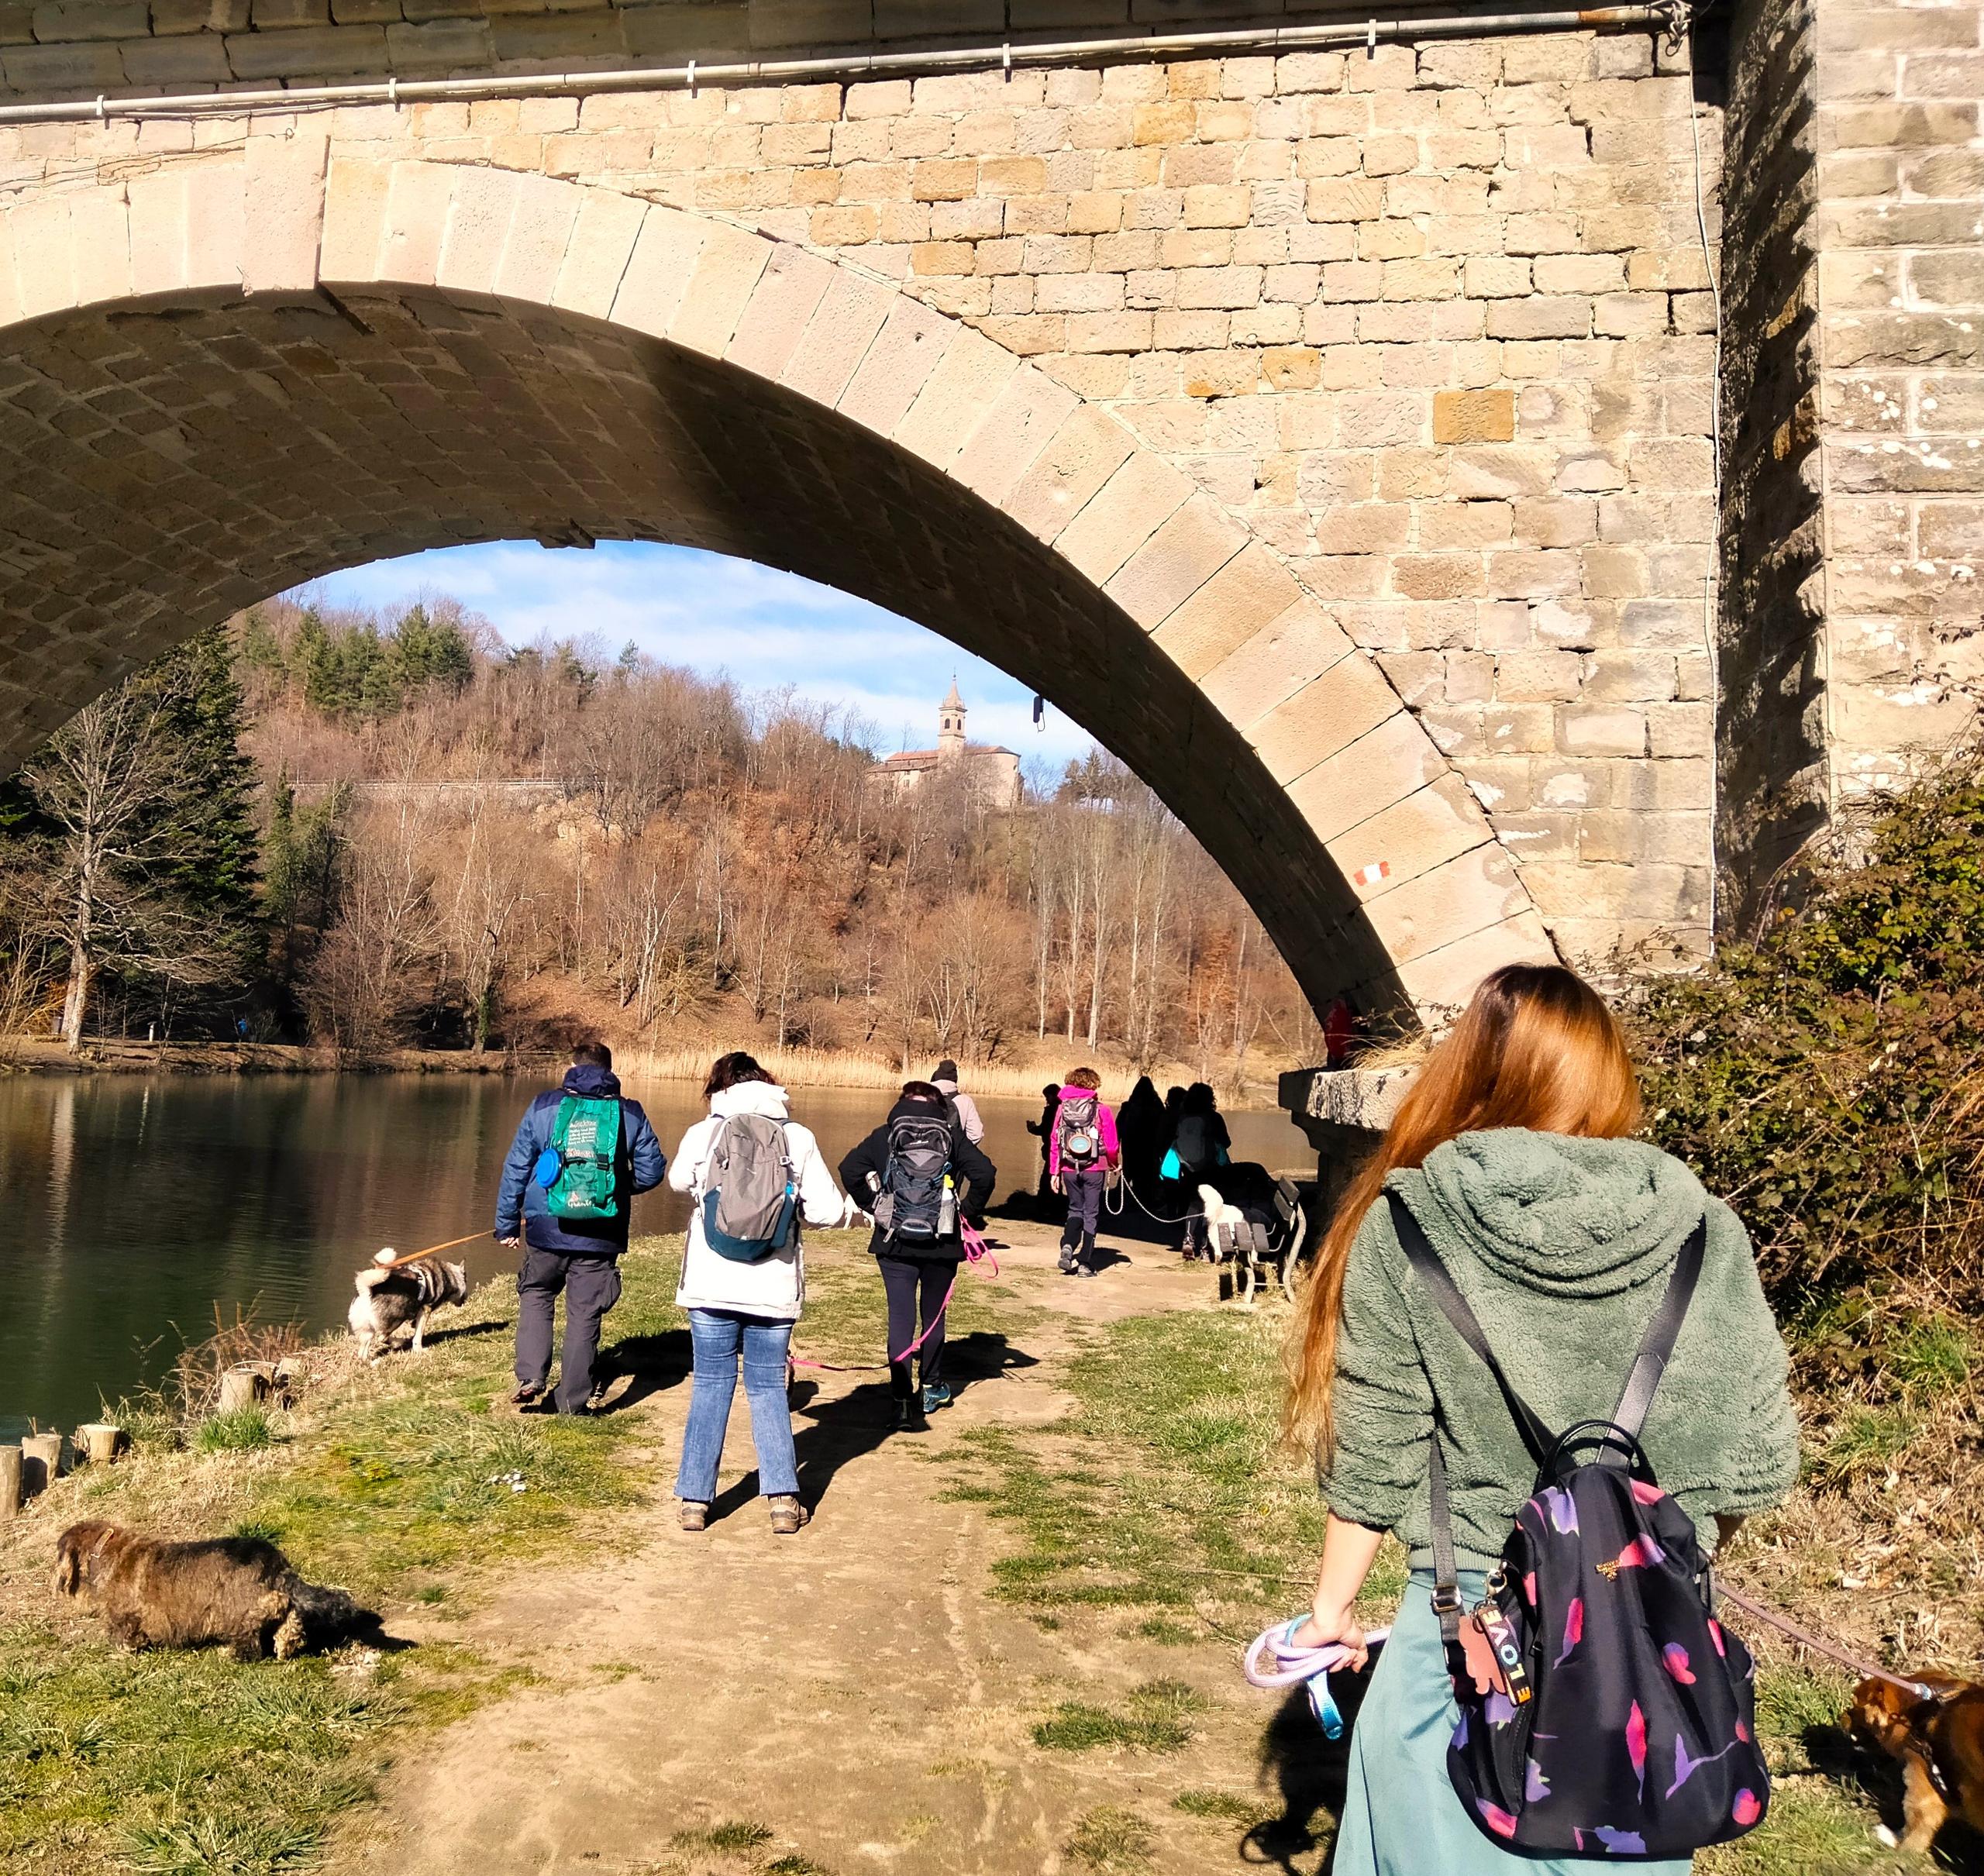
(1940, 1742)
(239, 1590)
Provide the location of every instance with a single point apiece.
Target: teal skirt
(1401, 1814)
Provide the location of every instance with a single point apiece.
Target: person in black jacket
(581, 1259)
(911, 1264)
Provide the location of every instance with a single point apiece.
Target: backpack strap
(1425, 1260)
(1657, 1345)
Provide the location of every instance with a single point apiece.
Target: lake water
(139, 1206)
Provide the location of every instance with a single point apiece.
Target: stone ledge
(1361, 1100)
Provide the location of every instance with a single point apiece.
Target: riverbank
(1255, 1092)
(1006, 1645)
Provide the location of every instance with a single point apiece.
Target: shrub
(1828, 1078)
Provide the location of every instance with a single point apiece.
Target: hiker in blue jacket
(578, 1254)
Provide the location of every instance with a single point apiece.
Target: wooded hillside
(366, 832)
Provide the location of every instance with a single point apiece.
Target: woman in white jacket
(744, 1310)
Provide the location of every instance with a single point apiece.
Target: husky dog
(852, 1215)
(390, 1296)
(238, 1591)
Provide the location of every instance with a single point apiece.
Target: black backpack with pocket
(918, 1203)
(1604, 1711)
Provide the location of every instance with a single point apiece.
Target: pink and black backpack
(1604, 1711)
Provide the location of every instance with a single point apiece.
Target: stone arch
(234, 373)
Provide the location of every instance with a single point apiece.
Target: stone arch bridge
(1330, 426)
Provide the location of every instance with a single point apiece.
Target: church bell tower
(950, 725)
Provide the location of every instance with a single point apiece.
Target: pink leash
(976, 1251)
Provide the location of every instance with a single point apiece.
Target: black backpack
(917, 1202)
(1616, 1716)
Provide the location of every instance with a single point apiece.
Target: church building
(994, 772)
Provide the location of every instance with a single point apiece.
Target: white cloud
(763, 628)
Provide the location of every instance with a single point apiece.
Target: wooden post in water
(100, 1443)
(10, 1483)
(41, 1462)
(244, 1386)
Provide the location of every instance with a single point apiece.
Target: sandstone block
(1177, 560)
(1135, 501)
(913, 339)
(1328, 714)
(604, 233)
(1601, 730)
(1474, 416)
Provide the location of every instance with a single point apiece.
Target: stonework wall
(1431, 323)
(1900, 228)
(1773, 786)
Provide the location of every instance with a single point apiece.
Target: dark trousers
(1084, 1191)
(902, 1277)
(591, 1286)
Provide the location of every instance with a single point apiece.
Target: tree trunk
(75, 1006)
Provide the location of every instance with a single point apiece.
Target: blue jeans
(719, 1337)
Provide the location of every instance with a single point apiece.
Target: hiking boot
(1083, 1270)
(526, 1396)
(908, 1420)
(936, 1397)
(787, 1514)
(1067, 1259)
(693, 1515)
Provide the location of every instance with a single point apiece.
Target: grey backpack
(749, 1204)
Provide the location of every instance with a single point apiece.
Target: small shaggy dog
(391, 1296)
(1940, 1742)
(851, 1215)
(153, 1593)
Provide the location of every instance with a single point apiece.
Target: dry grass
(805, 1068)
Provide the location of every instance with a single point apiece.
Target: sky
(763, 628)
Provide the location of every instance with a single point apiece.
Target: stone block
(956, 397)
(1601, 730)
(1349, 701)
(663, 258)
(478, 219)
(1299, 645)
(283, 212)
(895, 366)
(1486, 416)
(604, 233)
(1137, 500)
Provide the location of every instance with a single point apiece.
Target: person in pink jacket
(1082, 1152)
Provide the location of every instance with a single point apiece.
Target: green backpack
(578, 1170)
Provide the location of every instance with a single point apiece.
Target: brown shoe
(787, 1514)
(694, 1516)
(525, 1396)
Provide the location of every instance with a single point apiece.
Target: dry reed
(807, 1067)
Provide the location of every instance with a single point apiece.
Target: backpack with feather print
(1617, 1716)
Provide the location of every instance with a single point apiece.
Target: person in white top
(744, 1310)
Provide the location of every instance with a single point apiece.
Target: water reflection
(141, 1207)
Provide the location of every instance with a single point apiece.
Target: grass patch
(1863, 1440)
(398, 1482)
(735, 1837)
(242, 1431)
(1225, 1807)
(1110, 1837)
(1156, 1718)
(1165, 1486)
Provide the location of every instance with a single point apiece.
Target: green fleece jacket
(1562, 1248)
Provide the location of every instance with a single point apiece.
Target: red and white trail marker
(1372, 874)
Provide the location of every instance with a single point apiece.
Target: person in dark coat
(578, 1256)
(924, 1266)
(1201, 1142)
(1044, 1201)
(1141, 1126)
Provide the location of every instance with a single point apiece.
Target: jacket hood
(947, 1083)
(762, 1097)
(1563, 1216)
(923, 1110)
(1071, 1092)
(589, 1083)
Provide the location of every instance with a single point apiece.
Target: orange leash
(414, 1256)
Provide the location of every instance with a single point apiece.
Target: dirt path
(855, 1691)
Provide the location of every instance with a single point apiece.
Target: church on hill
(994, 772)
